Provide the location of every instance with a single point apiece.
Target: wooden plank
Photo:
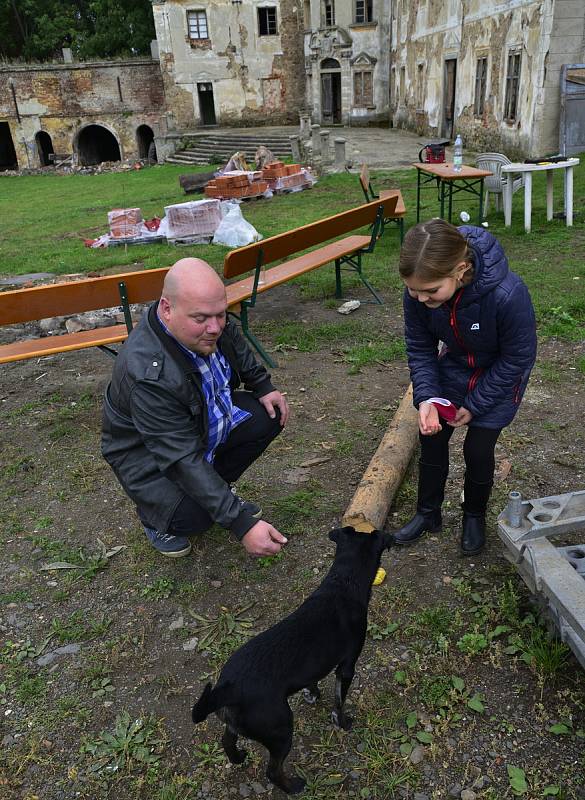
(37, 348)
(447, 173)
(400, 209)
(283, 245)
(372, 499)
(241, 290)
(75, 297)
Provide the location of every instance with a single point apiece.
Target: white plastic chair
(496, 183)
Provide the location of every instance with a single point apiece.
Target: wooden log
(372, 499)
(195, 182)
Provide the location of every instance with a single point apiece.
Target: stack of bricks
(196, 218)
(284, 176)
(125, 223)
(236, 185)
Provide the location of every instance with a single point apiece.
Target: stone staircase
(214, 148)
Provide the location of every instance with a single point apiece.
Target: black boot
(475, 500)
(431, 491)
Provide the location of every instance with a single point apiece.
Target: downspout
(390, 65)
(12, 89)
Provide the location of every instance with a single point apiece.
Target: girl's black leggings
(478, 451)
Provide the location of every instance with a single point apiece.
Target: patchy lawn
(459, 687)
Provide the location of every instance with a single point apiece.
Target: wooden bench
(347, 252)
(76, 297)
(124, 289)
(370, 195)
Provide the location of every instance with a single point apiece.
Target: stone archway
(44, 148)
(330, 91)
(145, 143)
(95, 143)
(8, 159)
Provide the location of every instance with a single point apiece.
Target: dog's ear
(337, 532)
(387, 539)
(334, 534)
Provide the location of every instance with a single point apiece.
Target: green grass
(68, 208)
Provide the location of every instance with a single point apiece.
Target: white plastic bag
(234, 231)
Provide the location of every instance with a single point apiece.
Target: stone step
(203, 146)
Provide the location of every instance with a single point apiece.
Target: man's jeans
(244, 444)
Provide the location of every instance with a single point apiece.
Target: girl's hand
(462, 418)
(428, 419)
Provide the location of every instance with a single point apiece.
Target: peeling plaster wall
(355, 46)
(425, 33)
(255, 79)
(63, 98)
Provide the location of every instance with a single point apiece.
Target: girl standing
(460, 294)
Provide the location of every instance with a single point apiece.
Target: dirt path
(444, 631)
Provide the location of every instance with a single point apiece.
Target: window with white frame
(328, 13)
(512, 85)
(363, 93)
(197, 25)
(480, 86)
(364, 10)
(267, 21)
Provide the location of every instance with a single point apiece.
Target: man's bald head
(193, 304)
(190, 275)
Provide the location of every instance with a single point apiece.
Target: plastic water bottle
(458, 154)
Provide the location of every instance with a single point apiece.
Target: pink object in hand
(446, 409)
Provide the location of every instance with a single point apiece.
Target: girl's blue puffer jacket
(488, 331)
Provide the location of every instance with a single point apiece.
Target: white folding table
(526, 170)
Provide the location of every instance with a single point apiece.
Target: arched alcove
(145, 143)
(8, 158)
(95, 144)
(44, 148)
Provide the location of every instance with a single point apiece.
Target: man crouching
(176, 430)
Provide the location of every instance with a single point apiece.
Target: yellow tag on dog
(380, 577)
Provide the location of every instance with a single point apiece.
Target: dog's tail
(211, 700)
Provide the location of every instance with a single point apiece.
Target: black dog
(326, 632)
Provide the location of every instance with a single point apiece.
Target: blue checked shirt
(223, 415)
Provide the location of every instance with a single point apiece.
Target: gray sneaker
(252, 508)
(173, 546)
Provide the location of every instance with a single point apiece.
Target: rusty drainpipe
(11, 82)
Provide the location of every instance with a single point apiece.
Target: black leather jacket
(155, 424)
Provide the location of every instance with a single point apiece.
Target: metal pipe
(14, 98)
(514, 510)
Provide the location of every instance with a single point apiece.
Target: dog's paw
(311, 697)
(290, 785)
(295, 785)
(238, 756)
(343, 721)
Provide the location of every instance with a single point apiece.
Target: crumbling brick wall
(60, 99)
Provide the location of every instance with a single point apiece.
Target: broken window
(328, 13)
(480, 84)
(362, 89)
(512, 86)
(197, 25)
(364, 10)
(267, 21)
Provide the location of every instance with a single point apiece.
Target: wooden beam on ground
(372, 499)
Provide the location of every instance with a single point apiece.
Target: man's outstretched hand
(272, 401)
(263, 540)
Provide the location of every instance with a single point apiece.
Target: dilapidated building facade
(103, 111)
(486, 69)
(347, 48)
(230, 62)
